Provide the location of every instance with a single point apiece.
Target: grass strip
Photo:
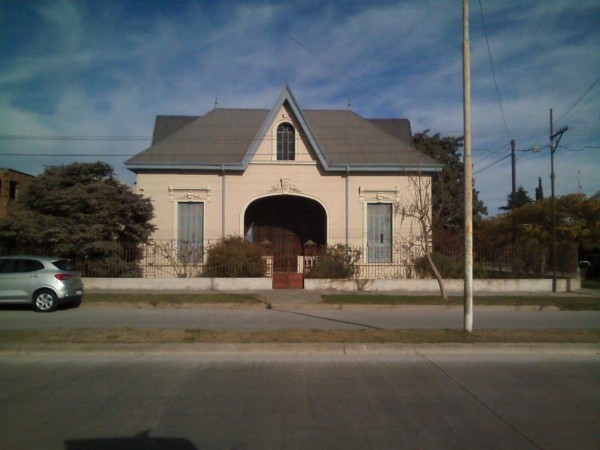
(590, 284)
(566, 303)
(408, 336)
(166, 298)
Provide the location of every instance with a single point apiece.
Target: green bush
(233, 256)
(338, 261)
(447, 266)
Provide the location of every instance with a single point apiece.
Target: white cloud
(91, 69)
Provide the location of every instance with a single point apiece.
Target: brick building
(12, 184)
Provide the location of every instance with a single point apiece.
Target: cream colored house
(287, 176)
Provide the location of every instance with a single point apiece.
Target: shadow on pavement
(312, 316)
(140, 442)
(27, 306)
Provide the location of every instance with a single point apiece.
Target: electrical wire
(493, 70)
(492, 164)
(564, 116)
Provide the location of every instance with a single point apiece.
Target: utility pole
(513, 160)
(468, 166)
(554, 140)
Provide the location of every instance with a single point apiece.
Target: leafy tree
(520, 198)
(577, 221)
(448, 186)
(82, 211)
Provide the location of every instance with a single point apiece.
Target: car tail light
(63, 276)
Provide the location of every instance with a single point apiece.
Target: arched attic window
(286, 142)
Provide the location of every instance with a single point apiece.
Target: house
(12, 184)
(287, 177)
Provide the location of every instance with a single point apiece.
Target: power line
(70, 154)
(564, 116)
(492, 164)
(493, 70)
(587, 91)
(30, 137)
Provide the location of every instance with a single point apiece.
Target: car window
(63, 264)
(28, 265)
(6, 265)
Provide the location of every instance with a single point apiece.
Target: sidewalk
(301, 298)
(284, 297)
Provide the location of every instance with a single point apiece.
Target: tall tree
(539, 191)
(82, 211)
(448, 186)
(520, 198)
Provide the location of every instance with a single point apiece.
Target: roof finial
(216, 101)
(349, 104)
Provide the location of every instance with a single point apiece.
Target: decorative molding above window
(285, 186)
(190, 194)
(379, 195)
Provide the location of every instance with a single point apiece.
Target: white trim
(379, 195)
(190, 194)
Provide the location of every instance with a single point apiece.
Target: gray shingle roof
(228, 137)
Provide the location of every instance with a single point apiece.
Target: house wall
(265, 176)
(263, 179)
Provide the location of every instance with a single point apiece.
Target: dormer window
(286, 142)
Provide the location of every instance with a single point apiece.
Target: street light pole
(554, 140)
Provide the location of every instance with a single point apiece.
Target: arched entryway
(289, 224)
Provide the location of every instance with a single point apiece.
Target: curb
(316, 348)
(294, 306)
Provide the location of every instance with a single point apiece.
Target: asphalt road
(192, 401)
(282, 317)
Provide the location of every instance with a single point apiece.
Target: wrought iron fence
(407, 260)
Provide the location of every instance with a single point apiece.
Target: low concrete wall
(408, 286)
(183, 284)
(499, 286)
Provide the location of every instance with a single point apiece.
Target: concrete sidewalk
(302, 297)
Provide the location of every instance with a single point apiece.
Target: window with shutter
(379, 229)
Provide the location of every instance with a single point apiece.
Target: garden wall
(454, 287)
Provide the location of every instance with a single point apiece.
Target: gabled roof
(229, 138)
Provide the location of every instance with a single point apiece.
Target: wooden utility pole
(511, 205)
(554, 141)
(513, 161)
(468, 166)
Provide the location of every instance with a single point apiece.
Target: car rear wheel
(45, 301)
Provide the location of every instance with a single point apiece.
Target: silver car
(43, 282)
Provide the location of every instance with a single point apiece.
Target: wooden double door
(283, 225)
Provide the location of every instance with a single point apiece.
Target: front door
(286, 249)
(284, 243)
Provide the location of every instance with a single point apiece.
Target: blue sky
(82, 80)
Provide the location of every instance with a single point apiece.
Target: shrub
(338, 261)
(233, 256)
(448, 266)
